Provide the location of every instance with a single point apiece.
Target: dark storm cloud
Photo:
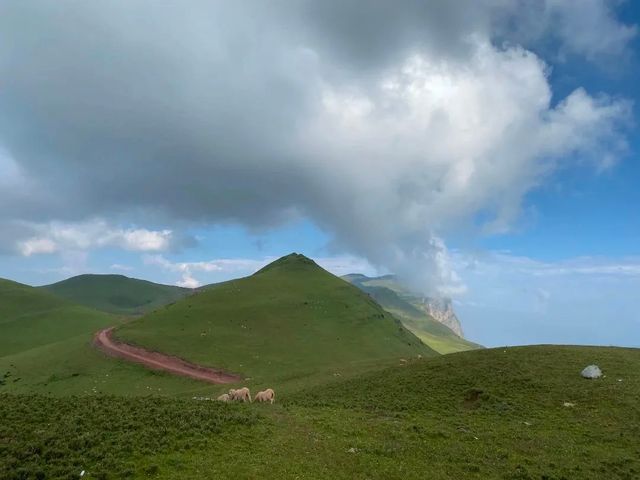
(149, 107)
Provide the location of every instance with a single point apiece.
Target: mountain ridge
(117, 294)
(432, 320)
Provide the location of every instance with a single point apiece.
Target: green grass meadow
(486, 414)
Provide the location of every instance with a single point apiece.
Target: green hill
(46, 347)
(399, 301)
(31, 318)
(510, 413)
(116, 293)
(291, 319)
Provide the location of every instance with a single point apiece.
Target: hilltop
(415, 312)
(116, 293)
(290, 319)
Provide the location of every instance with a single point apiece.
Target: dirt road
(159, 361)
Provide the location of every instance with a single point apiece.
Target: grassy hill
(293, 323)
(405, 306)
(116, 293)
(289, 320)
(45, 347)
(483, 414)
(31, 318)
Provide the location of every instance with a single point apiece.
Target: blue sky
(492, 157)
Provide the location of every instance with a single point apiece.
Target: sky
(482, 150)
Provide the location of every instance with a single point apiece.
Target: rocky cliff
(442, 310)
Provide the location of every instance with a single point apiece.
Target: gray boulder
(592, 371)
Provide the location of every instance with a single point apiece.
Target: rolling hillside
(290, 319)
(46, 347)
(31, 318)
(410, 310)
(517, 413)
(116, 293)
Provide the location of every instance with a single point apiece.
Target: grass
(116, 293)
(288, 321)
(406, 307)
(45, 347)
(484, 414)
(107, 437)
(31, 318)
(335, 315)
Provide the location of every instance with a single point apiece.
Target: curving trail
(159, 361)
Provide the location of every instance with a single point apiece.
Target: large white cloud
(433, 143)
(60, 237)
(387, 125)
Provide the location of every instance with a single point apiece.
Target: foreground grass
(107, 437)
(484, 414)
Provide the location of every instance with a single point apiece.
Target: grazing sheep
(267, 395)
(224, 398)
(241, 395)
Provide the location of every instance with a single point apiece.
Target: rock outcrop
(442, 310)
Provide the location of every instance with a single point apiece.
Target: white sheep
(267, 395)
(241, 395)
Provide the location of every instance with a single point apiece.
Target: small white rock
(352, 450)
(569, 404)
(592, 371)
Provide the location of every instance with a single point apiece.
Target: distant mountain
(289, 320)
(116, 293)
(432, 320)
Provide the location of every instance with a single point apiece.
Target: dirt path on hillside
(158, 361)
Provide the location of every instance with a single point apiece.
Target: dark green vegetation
(483, 414)
(408, 308)
(108, 437)
(289, 321)
(116, 293)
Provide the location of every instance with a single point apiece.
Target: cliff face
(442, 310)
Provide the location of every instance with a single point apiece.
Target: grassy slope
(484, 414)
(45, 347)
(116, 293)
(31, 318)
(290, 320)
(394, 299)
(70, 365)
